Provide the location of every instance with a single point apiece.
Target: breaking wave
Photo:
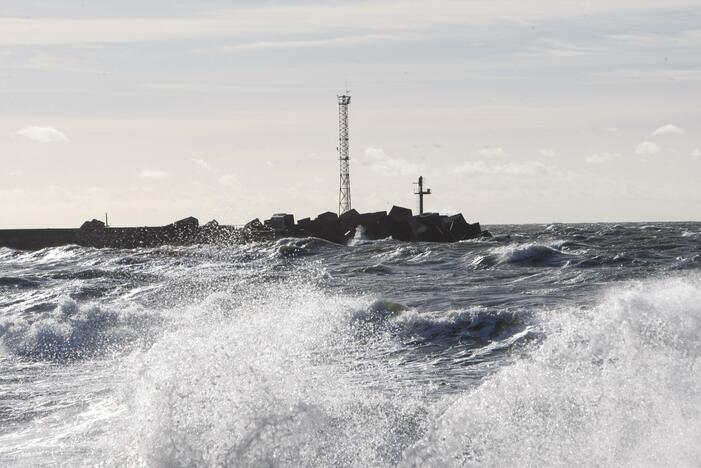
(477, 324)
(254, 383)
(76, 332)
(614, 385)
(530, 254)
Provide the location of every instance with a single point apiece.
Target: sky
(527, 111)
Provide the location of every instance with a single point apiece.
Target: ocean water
(549, 345)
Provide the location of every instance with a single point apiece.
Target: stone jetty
(399, 223)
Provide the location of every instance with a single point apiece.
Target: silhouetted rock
(456, 227)
(399, 223)
(376, 224)
(487, 235)
(350, 214)
(400, 213)
(281, 221)
(186, 224)
(326, 226)
(349, 220)
(327, 216)
(254, 225)
(211, 224)
(475, 231)
(213, 233)
(92, 225)
(426, 227)
(183, 231)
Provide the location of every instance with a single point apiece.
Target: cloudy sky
(514, 111)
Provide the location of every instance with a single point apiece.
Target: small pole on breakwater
(421, 193)
(107, 222)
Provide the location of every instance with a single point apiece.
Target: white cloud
(612, 129)
(647, 148)
(209, 87)
(666, 75)
(379, 17)
(378, 161)
(41, 134)
(601, 158)
(45, 62)
(229, 180)
(375, 153)
(513, 168)
(668, 130)
(298, 44)
(548, 153)
(154, 174)
(558, 48)
(490, 152)
(269, 164)
(15, 173)
(696, 153)
(647, 40)
(202, 164)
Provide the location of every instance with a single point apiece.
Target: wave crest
(74, 332)
(530, 254)
(614, 385)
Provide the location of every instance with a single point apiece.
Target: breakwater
(399, 224)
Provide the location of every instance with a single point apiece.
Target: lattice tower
(344, 193)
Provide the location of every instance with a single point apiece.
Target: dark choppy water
(559, 345)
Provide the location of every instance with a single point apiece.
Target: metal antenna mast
(344, 194)
(421, 193)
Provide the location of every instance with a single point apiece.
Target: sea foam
(618, 384)
(260, 380)
(75, 331)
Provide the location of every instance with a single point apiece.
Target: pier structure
(421, 192)
(344, 193)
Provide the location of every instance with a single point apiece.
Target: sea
(546, 345)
